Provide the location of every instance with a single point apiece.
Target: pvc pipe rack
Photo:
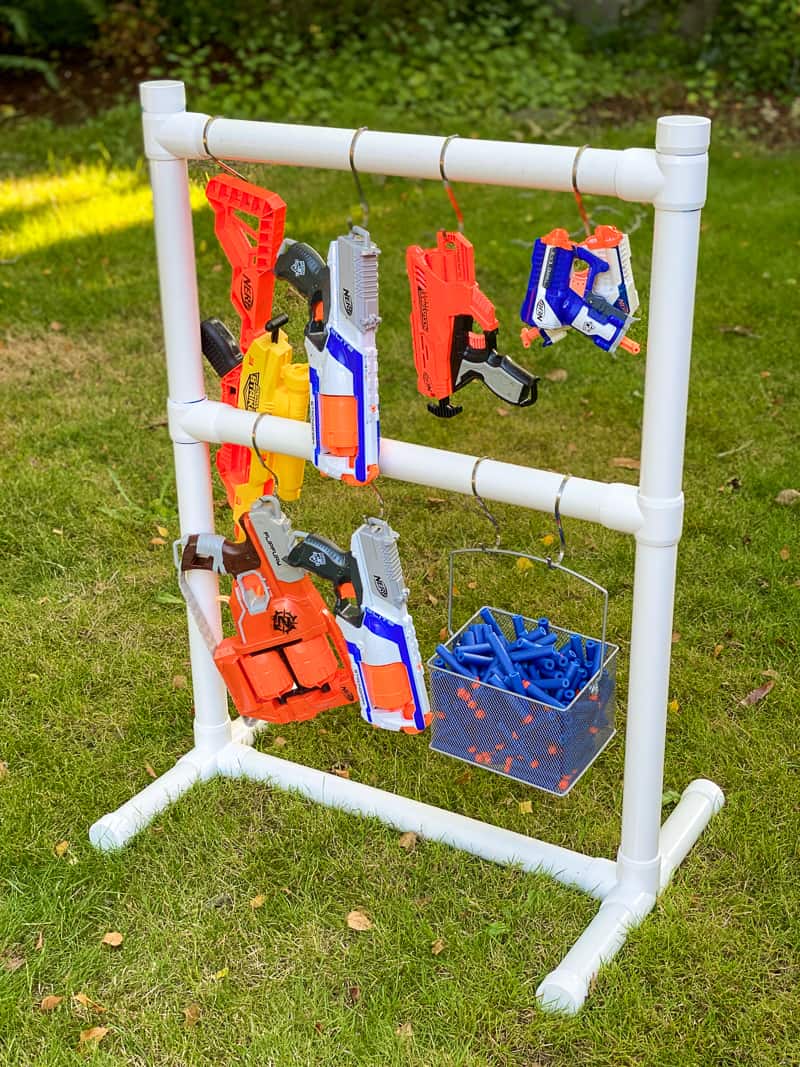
(672, 178)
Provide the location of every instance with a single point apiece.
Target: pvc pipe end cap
(162, 97)
(709, 790)
(105, 834)
(683, 135)
(562, 991)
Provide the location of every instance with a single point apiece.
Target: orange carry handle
(250, 250)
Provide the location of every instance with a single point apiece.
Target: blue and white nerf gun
(599, 302)
(372, 613)
(342, 296)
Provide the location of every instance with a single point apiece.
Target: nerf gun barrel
(448, 351)
(598, 301)
(288, 660)
(371, 609)
(266, 381)
(342, 296)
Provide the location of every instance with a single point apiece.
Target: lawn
(232, 905)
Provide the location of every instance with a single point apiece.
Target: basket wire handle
(594, 682)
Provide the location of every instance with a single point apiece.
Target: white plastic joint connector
(682, 154)
(159, 100)
(175, 415)
(662, 521)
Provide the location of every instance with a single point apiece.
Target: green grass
(93, 638)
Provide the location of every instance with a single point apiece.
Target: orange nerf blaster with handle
(288, 660)
(449, 352)
(257, 374)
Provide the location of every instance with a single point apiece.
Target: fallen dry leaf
(86, 1002)
(673, 706)
(191, 1014)
(434, 600)
(258, 901)
(341, 772)
(404, 1030)
(48, 1003)
(94, 1035)
(784, 553)
(58, 531)
(56, 326)
(558, 374)
(162, 531)
(472, 585)
(223, 973)
(675, 637)
(742, 331)
(157, 541)
(113, 939)
(279, 741)
(718, 649)
(443, 634)
(3, 768)
(464, 777)
(179, 681)
(525, 807)
(502, 412)
(408, 840)
(150, 770)
(353, 995)
(627, 463)
(755, 695)
(39, 941)
(436, 500)
(787, 497)
(357, 920)
(61, 848)
(437, 948)
(12, 961)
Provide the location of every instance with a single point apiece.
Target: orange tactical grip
(338, 417)
(389, 687)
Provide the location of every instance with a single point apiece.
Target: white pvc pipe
(700, 801)
(181, 318)
(672, 288)
(593, 875)
(612, 504)
(631, 174)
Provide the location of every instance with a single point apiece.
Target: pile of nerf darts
(530, 665)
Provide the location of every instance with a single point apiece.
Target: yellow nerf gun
(266, 381)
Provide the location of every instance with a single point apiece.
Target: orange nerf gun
(263, 379)
(288, 660)
(448, 351)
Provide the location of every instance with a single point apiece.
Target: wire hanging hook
(259, 455)
(559, 526)
(451, 196)
(359, 188)
(482, 503)
(587, 225)
(210, 154)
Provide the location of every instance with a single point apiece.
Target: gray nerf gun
(372, 613)
(342, 296)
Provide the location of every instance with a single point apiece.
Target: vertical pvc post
(681, 148)
(181, 318)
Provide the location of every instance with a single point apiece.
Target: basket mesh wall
(518, 737)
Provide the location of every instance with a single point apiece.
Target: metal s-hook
(451, 196)
(259, 455)
(359, 188)
(482, 503)
(559, 526)
(210, 154)
(578, 198)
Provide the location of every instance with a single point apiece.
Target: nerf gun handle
(381, 643)
(305, 270)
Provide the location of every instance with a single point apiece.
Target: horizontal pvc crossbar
(612, 504)
(630, 174)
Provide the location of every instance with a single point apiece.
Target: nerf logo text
(380, 585)
(251, 393)
(422, 296)
(347, 301)
(247, 292)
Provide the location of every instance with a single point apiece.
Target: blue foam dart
(453, 664)
(531, 653)
(492, 623)
(519, 626)
(533, 691)
(576, 645)
(474, 659)
(482, 648)
(503, 658)
(467, 637)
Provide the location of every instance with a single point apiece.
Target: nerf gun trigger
(506, 379)
(325, 559)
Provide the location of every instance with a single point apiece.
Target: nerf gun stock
(598, 301)
(448, 352)
(371, 609)
(288, 660)
(342, 296)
